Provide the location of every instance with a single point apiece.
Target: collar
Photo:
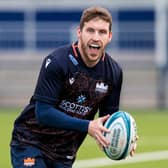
(75, 48)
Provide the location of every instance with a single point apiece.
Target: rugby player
(75, 82)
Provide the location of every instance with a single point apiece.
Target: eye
(90, 30)
(103, 32)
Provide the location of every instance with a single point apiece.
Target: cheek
(106, 41)
(85, 39)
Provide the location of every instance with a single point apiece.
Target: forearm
(49, 116)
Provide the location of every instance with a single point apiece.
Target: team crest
(29, 162)
(101, 87)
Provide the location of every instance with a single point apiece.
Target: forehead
(97, 23)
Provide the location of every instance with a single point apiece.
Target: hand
(96, 130)
(132, 152)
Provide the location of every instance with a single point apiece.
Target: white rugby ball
(122, 136)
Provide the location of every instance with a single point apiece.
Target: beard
(90, 54)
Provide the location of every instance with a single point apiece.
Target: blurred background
(29, 30)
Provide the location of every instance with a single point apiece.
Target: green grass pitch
(152, 129)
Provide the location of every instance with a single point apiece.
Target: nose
(96, 36)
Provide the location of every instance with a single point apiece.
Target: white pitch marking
(141, 157)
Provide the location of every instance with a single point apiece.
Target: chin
(93, 57)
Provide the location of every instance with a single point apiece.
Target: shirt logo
(69, 157)
(74, 108)
(48, 61)
(101, 87)
(29, 161)
(73, 60)
(71, 80)
(81, 99)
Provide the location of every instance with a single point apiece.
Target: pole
(161, 51)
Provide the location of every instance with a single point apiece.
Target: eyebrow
(102, 29)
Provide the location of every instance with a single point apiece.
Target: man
(75, 82)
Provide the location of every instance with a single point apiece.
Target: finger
(132, 153)
(102, 140)
(133, 150)
(104, 118)
(104, 129)
(137, 137)
(135, 146)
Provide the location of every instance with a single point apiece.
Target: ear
(78, 32)
(110, 36)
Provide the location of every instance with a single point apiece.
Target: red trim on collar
(74, 46)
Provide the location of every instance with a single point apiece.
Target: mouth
(94, 46)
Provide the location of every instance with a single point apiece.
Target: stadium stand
(30, 30)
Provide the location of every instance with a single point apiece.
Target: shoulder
(57, 60)
(60, 53)
(113, 64)
(114, 69)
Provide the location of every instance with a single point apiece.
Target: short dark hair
(93, 12)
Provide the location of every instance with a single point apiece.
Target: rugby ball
(122, 136)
